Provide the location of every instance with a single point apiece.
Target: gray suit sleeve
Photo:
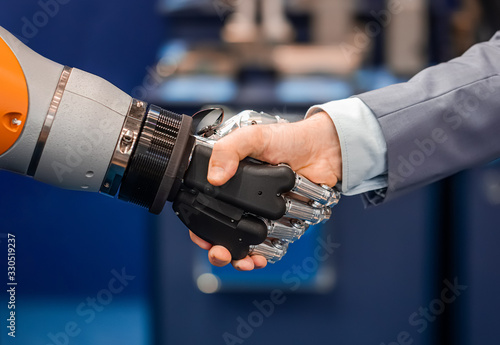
(445, 119)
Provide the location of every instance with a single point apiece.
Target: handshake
(248, 212)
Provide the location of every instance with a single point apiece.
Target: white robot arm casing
(82, 135)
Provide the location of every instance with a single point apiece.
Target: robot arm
(59, 125)
(74, 130)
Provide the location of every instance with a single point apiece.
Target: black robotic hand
(260, 210)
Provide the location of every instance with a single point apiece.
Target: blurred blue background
(391, 260)
(68, 243)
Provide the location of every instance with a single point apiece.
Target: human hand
(310, 147)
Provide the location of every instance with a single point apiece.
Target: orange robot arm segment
(13, 98)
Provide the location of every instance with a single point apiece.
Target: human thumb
(223, 164)
(217, 175)
(228, 152)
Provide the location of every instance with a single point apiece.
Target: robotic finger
(287, 229)
(261, 209)
(272, 249)
(323, 194)
(310, 213)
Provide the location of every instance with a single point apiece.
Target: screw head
(296, 223)
(277, 244)
(128, 137)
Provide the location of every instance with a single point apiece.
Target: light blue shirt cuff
(364, 150)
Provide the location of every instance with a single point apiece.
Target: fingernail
(215, 261)
(217, 173)
(218, 262)
(242, 266)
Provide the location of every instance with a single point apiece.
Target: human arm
(442, 121)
